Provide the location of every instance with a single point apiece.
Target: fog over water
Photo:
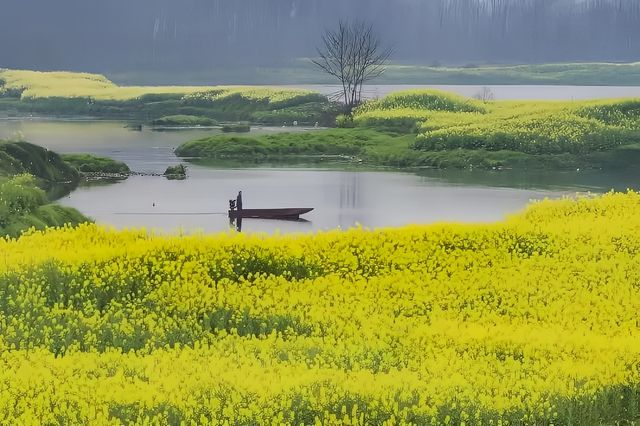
(170, 35)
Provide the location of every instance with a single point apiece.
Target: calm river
(343, 196)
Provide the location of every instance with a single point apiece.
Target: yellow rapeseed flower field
(529, 321)
(443, 121)
(37, 84)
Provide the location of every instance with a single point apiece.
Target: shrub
(236, 128)
(94, 164)
(184, 120)
(18, 197)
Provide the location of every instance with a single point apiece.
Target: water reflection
(235, 224)
(57, 190)
(349, 189)
(343, 197)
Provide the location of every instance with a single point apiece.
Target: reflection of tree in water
(349, 190)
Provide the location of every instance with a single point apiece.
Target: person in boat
(232, 205)
(239, 201)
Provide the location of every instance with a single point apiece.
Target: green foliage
(534, 128)
(19, 196)
(433, 100)
(236, 128)
(184, 120)
(88, 163)
(45, 216)
(22, 202)
(176, 172)
(351, 142)
(344, 121)
(23, 206)
(9, 166)
(23, 157)
(402, 111)
(399, 120)
(376, 147)
(551, 133)
(323, 113)
(624, 113)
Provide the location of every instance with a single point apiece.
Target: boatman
(239, 201)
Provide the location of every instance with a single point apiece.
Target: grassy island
(87, 163)
(429, 128)
(178, 172)
(236, 128)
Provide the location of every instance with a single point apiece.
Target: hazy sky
(180, 35)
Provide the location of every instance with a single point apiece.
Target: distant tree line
(166, 34)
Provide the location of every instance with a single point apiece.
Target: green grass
(23, 157)
(25, 171)
(309, 113)
(444, 123)
(88, 163)
(425, 100)
(23, 206)
(402, 111)
(379, 148)
(184, 120)
(533, 127)
(147, 110)
(349, 142)
(441, 130)
(176, 172)
(236, 128)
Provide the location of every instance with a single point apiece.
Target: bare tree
(353, 54)
(485, 95)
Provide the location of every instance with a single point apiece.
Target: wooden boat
(282, 214)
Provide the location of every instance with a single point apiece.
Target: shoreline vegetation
(68, 93)
(93, 165)
(178, 172)
(410, 129)
(33, 177)
(30, 177)
(184, 121)
(430, 128)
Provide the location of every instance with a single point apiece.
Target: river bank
(427, 128)
(83, 94)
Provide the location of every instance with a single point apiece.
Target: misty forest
(320, 212)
